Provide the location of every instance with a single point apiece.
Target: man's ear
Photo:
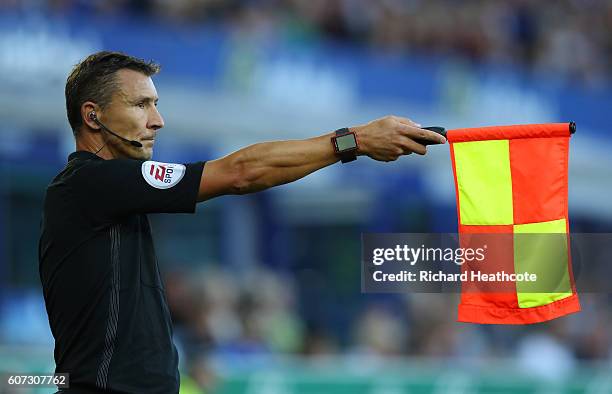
(87, 109)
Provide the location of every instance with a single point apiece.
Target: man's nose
(156, 121)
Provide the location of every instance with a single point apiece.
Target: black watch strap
(346, 156)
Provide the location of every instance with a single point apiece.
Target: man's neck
(99, 148)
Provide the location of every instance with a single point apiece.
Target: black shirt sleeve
(111, 189)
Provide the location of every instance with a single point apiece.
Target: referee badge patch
(162, 175)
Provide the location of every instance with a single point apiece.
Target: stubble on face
(132, 106)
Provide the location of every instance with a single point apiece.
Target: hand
(388, 138)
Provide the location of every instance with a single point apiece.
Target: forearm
(269, 164)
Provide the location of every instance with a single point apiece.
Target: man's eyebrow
(145, 99)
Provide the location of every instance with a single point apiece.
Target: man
(103, 293)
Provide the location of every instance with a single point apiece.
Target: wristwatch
(345, 144)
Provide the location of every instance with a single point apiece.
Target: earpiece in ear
(92, 116)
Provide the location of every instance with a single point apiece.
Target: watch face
(346, 142)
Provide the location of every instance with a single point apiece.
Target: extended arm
(267, 164)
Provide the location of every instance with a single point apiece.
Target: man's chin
(143, 153)
(148, 154)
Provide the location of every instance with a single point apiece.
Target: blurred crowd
(569, 37)
(227, 315)
(262, 312)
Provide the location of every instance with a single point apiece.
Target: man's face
(133, 115)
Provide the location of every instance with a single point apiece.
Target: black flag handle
(435, 129)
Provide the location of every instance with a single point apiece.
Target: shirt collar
(84, 155)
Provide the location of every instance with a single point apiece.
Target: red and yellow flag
(512, 180)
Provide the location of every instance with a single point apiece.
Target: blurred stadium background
(265, 289)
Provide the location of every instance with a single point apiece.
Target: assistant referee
(103, 293)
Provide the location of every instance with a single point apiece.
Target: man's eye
(141, 105)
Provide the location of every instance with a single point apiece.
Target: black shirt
(104, 296)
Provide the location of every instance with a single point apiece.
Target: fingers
(400, 136)
(418, 133)
(408, 145)
(406, 121)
